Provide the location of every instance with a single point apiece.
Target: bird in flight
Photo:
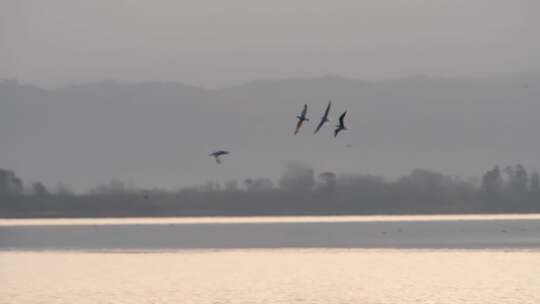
(341, 125)
(301, 118)
(324, 119)
(217, 154)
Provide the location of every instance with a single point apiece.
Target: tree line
(299, 191)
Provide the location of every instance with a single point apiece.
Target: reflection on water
(264, 219)
(272, 276)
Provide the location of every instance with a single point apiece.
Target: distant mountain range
(160, 134)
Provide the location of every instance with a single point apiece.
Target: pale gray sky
(219, 43)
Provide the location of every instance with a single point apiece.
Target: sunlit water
(318, 260)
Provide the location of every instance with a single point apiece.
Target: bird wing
(341, 118)
(319, 126)
(304, 111)
(298, 126)
(327, 109)
(336, 131)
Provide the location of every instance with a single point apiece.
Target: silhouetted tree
(328, 183)
(258, 184)
(298, 178)
(535, 181)
(492, 182)
(210, 186)
(10, 183)
(64, 190)
(231, 185)
(518, 181)
(427, 181)
(39, 189)
(421, 191)
(115, 187)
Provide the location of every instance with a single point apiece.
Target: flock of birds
(301, 119)
(324, 119)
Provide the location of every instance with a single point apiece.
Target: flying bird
(324, 119)
(341, 125)
(217, 154)
(301, 118)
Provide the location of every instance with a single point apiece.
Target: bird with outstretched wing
(217, 154)
(301, 118)
(324, 119)
(341, 125)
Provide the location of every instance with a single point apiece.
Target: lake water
(381, 259)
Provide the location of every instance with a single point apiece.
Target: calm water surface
(481, 259)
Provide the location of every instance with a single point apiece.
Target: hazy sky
(219, 43)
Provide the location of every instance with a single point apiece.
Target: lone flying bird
(301, 118)
(324, 119)
(217, 154)
(341, 125)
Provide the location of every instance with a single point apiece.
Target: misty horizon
(247, 82)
